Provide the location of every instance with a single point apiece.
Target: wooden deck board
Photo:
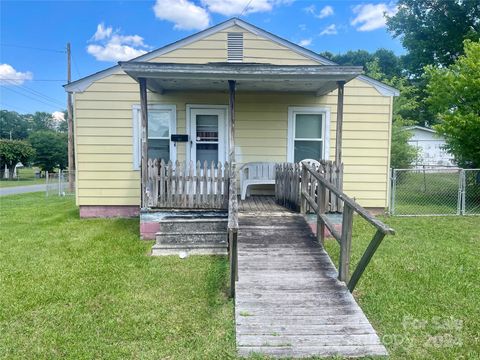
(289, 302)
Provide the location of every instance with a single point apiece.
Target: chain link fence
(435, 192)
(471, 195)
(60, 183)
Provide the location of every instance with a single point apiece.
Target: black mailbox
(179, 137)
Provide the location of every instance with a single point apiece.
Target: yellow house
(286, 109)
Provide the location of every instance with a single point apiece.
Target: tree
(13, 124)
(402, 153)
(433, 30)
(51, 149)
(389, 63)
(41, 120)
(454, 95)
(14, 151)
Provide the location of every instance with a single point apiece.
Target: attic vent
(235, 47)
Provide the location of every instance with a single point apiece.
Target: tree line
(438, 77)
(33, 139)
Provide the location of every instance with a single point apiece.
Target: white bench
(256, 173)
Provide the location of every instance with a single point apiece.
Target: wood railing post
(344, 238)
(304, 187)
(144, 141)
(367, 256)
(233, 228)
(232, 241)
(345, 243)
(321, 194)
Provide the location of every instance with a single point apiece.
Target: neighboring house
(285, 110)
(431, 147)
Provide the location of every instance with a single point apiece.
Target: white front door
(208, 129)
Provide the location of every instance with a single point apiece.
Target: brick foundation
(148, 229)
(109, 211)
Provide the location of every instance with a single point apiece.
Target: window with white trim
(307, 134)
(161, 124)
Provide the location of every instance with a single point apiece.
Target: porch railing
(314, 187)
(185, 185)
(232, 230)
(306, 188)
(288, 184)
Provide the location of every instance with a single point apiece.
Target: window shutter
(235, 47)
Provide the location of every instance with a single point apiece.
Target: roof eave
(82, 84)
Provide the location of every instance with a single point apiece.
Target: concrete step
(191, 239)
(198, 249)
(192, 235)
(192, 225)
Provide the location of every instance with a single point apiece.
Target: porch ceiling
(318, 79)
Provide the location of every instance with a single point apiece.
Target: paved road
(22, 189)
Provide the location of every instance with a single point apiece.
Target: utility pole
(71, 160)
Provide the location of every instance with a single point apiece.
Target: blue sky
(34, 34)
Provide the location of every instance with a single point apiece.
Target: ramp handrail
(315, 198)
(232, 228)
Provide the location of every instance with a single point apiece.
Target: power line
(61, 80)
(33, 48)
(245, 8)
(32, 98)
(37, 93)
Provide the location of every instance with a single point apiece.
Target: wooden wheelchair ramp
(289, 302)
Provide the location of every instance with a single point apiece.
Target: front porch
(278, 266)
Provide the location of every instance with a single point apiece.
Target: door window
(207, 138)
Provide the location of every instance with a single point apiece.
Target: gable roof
(421, 128)
(83, 83)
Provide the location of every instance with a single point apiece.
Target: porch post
(338, 132)
(144, 141)
(231, 132)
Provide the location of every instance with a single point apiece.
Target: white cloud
(305, 42)
(326, 11)
(110, 45)
(183, 13)
(310, 9)
(372, 16)
(329, 30)
(302, 27)
(236, 7)
(10, 76)
(102, 32)
(187, 15)
(58, 116)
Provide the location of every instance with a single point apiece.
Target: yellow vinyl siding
(103, 125)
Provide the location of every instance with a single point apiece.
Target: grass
(429, 193)
(72, 288)
(79, 289)
(435, 193)
(25, 176)
(422, 289)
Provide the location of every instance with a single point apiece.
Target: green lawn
(426, 193)
(84, 289)
(25, 176)
(435, 192)
(422, 289)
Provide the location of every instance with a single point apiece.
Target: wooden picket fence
(288, 180)
(287, 185)
(185, 185)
